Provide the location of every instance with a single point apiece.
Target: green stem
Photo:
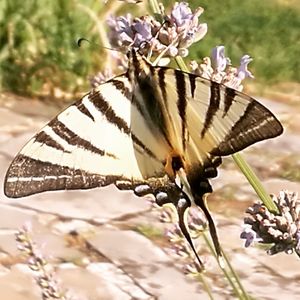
(255, 182)
(181, 64)
(236, 276)
(231, 276)
(206, 286)
(154, 7)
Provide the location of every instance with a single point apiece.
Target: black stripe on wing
(149, 94)
(104, 107)
(257, 123)
(213, 106)
(37, 176)
(121, 87)
(162, 83)
(44, 138)
(73, 139)
(181, 103)
(82, 108)
(192, 80)
(162, 86)
(228, 99)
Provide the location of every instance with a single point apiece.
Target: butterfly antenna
(181, 207)
(80, 42)
(212, 230)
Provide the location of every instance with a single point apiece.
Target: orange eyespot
(174, 162)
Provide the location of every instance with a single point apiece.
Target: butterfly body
(153, 130)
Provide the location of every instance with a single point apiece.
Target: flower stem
(181, 64)
(229, 272)
(255, 182)
(206, 286)
(154, 7)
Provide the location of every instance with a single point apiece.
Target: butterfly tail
(181, 207)
(201, 202)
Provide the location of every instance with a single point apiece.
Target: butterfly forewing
(217, 119)
(90, 144)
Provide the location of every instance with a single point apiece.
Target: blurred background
(39, 54)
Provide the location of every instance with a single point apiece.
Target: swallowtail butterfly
(152, 130)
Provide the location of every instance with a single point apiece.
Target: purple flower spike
(282, 230)
(121, 32)
(243, 71)
(200, 32)
(219, 61)
(174, 36)
(219, 69)
(143, 30)
(250, 236)
(181, 14)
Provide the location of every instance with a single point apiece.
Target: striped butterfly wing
(88, 145)
(214, 120)
(125, 130)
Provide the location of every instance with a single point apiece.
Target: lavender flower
(196, 220)
(219, 61)
(250, 236)
(167, 215)
(179, 246)
(283, 230)
(186, 24)
(219, 69)
(243, 71)
(179, 31)
(100, 77)
(118, 63)
(44, 277)
(120, 30)
(172, 37)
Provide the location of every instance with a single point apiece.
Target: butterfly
(153, 130)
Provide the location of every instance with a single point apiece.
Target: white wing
(90, 144)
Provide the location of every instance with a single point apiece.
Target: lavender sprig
(218, 68)
(281, 230)
(44, 275)
(178, 31)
